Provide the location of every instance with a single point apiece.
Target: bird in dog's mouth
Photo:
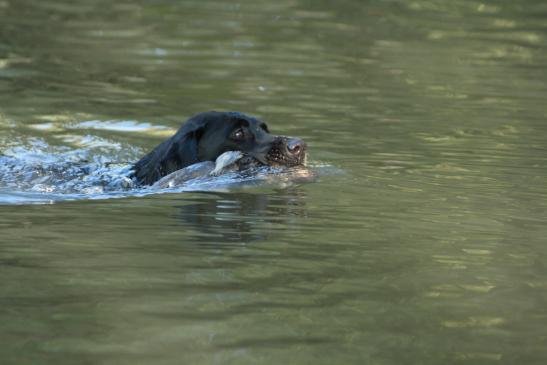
(287, 166)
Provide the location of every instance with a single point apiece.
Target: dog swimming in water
(213, 142)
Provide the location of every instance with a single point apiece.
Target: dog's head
(206, 136)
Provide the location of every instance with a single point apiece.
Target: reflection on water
(428, 249)
(241, 217)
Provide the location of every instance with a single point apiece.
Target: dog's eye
(264, 127)
(238, 134)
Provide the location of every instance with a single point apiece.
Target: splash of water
(40, 173)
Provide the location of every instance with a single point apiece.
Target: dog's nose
(295, 146)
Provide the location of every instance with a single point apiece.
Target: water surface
(426, 246)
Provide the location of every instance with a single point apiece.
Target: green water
(427, 246)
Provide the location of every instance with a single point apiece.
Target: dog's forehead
(229, 121)
(239, 119)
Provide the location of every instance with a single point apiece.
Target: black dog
(206, 136)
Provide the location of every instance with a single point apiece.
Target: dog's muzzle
(287, 151)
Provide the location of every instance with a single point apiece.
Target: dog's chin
(280, 160)
(271, 160)
(248, 162)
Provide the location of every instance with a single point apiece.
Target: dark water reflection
(427, 248)
(241, 218)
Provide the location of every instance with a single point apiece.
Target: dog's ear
(179, 151)
(182, 150)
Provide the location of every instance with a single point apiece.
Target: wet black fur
(207, 135)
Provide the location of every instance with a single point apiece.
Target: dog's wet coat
(206, 136)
